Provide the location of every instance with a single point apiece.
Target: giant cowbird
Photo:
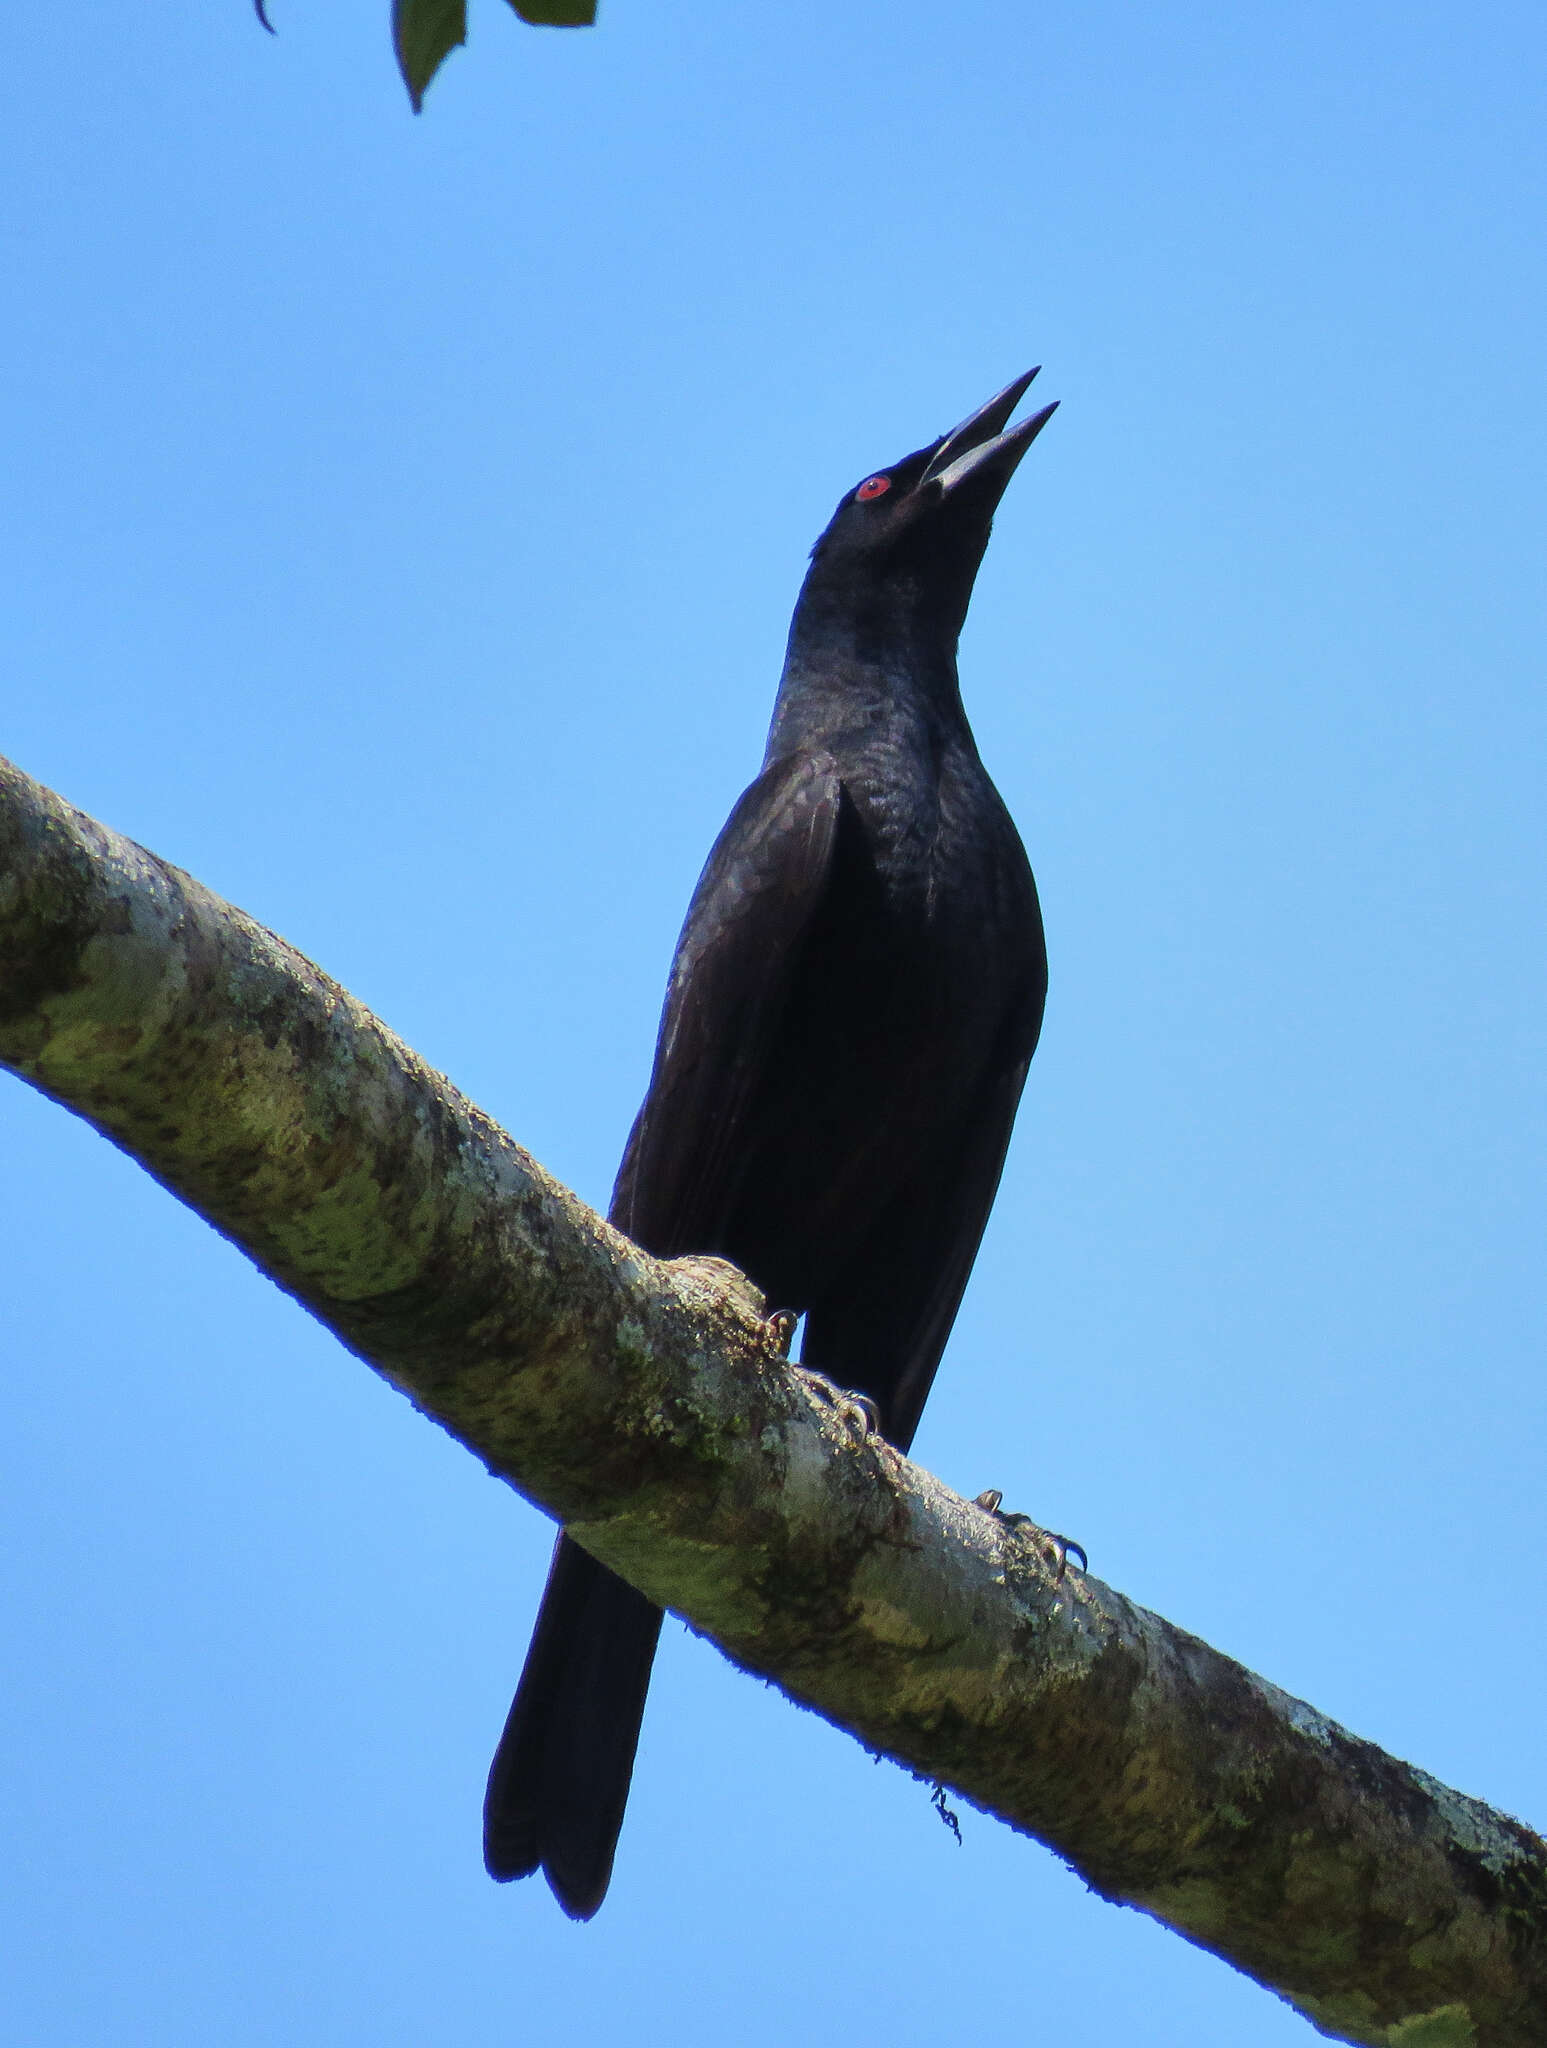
(855, 998)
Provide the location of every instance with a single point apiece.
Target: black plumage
(854, 1000)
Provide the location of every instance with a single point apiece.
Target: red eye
(873, 486)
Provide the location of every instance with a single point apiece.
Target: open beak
(983, 446)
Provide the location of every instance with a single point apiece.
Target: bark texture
(645, 1405)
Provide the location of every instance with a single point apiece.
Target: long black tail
(560, 1777)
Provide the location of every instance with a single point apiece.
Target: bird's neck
(866, 668)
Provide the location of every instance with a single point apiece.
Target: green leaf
(556, 13)
(424, 33)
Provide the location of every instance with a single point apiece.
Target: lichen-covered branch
(645, 1405)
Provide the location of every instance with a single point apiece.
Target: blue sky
(403, 519)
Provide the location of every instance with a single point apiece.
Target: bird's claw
(1063, 1547)
(856, 1409)
(781, 1329)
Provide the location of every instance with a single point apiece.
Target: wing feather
(883, 1327)
(761, 887)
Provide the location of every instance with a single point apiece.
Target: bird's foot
(781, 1329)
(1063, 1547)
(858, 1410)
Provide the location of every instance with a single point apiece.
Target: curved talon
(781, 1329)
(856, 1409)
(1064, 1547)
(868, 1411)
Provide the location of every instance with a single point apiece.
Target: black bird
(855, 998)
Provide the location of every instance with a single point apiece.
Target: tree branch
(644, 1404)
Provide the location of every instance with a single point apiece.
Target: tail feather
(560, 1777)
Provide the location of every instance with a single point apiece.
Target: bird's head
(910, 538)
